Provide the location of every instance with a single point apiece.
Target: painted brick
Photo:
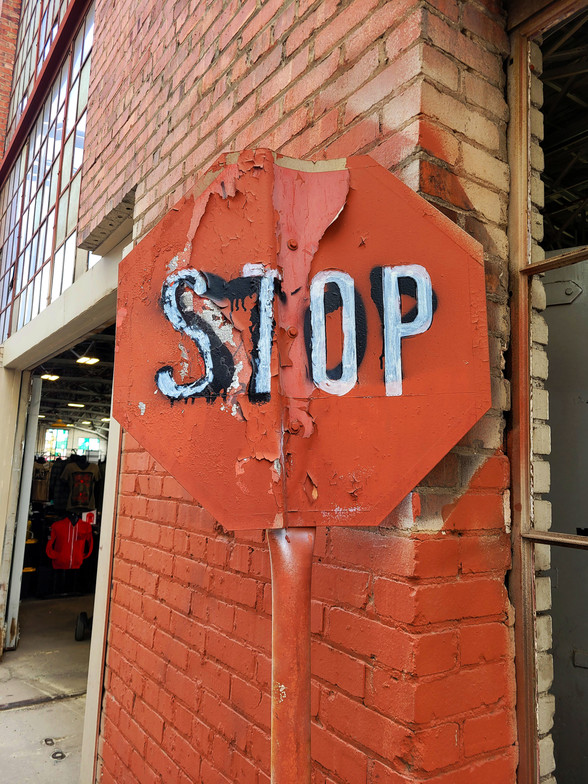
(410, 626)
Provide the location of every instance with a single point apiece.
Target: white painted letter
(394, 329)
(344, 283)
(190, 278)
(262, 368)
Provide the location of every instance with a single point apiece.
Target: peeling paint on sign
(332, 341)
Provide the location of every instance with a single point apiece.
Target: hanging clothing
(70, 543)
(81, 478)
(41, 477)
(58, 490)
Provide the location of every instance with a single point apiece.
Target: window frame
(524, 536)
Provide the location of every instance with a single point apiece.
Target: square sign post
(313, 340)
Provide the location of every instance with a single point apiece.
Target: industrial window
(38, 28)
(40, 196)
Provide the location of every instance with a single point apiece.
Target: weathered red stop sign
(299, 343)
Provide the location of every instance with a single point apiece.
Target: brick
(436, 748)
(475, 511)
(355, 722)
(341, 24)
(368, 637)
(338, 669)
(343, 759)
(381, 86)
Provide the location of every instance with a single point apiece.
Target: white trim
(101, 608)
(87, 305)
(22, 516)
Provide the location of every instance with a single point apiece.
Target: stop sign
(299, 343)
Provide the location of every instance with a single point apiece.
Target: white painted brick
(539, 363)
(537, 252)
(542, 564)
(540, 403)
(545, 712)
(536, 123)
(544, 633)
(542, 514)
(542, 593)
(539, 333)
(544, 671)
(537, 158)
(538, 293)
(542, 439)
(541, 476)
(536, 91)
(546, 758)
(536, 58)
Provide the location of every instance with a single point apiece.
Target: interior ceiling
(565, 107)
(90, 385)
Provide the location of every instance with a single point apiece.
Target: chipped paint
(142, 407)
(332, 341)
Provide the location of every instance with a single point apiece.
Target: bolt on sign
(299, 343)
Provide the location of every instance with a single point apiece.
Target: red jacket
(68, 542)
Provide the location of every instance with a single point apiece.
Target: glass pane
(72, 105)
(74, 198)
(67, 158)
(57, 274)
(61, 218)
(69, 262)
(84, 87)
(45, 277)
(79, 143)
(562, 658)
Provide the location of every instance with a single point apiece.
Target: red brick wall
(9, 16)
(412, 650)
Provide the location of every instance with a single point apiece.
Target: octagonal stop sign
(298, 343)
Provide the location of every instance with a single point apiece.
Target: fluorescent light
(76, 405)
(70, 424)
(105, 419)
(49, 377)
(86, 422)
(41, 416)
(87, 360)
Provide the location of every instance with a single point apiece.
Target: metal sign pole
(291, 562)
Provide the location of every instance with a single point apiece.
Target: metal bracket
(562, 292)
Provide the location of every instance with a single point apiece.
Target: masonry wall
(413, 675)
(9, 16)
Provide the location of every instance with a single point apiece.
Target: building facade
(435, 633)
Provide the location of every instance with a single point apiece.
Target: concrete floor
(42, 694)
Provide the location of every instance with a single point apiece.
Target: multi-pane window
(39, 23)
(39, 201)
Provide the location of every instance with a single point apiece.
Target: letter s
(188, 278)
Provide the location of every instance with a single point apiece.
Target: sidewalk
(42, 694)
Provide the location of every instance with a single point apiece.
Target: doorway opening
(54, 567)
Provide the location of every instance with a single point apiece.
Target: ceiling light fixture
(41, 416)
(105, 419)
(86, 422)
(76, 405)
(49, 377)
(87, 360)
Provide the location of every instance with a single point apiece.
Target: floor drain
(49, 742)
(58, 755)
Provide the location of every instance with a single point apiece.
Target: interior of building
(54, 575)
